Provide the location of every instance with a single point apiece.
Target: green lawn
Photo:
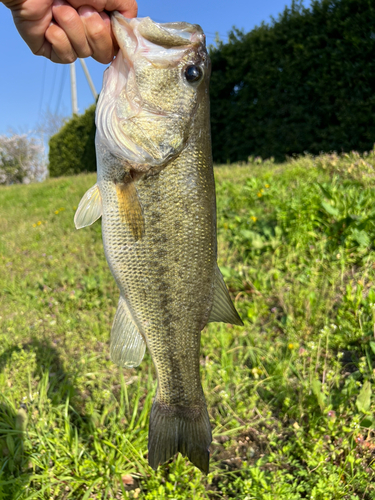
(290, 395)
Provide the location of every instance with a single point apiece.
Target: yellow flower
(267, 185)
(56, 212)
(290, 346)
(253, 218)
(259, 194)
(256, 372)
(34, 225)
(39, 222)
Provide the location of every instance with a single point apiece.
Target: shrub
(72, 149)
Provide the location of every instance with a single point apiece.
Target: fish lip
(137, 35)
(140, 37)
(176, 34)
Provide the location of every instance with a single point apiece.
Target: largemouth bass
(155, 193)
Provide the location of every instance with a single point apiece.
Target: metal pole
(73, 87)
(88, 78)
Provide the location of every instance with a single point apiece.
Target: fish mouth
(134, 127)
(153, 37)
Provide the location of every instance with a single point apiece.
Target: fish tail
(179, 428)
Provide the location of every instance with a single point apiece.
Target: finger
(70, 22)
(130, 11)
(62, 51)
(106, 17)
(32, 24)
(98, 33)
(45, 50)
(127, 8)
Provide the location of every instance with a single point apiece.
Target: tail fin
(179, 428)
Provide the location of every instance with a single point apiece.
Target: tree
(21, 159)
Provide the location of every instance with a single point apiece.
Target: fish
(155, 193)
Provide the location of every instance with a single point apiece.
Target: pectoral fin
(223, 309)
(130, 208)
(90, 208)
(127, 344)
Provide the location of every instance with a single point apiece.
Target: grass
(290, 395)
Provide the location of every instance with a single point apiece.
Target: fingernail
(57, 3)
(86, 11)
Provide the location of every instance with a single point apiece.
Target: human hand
(63, 31)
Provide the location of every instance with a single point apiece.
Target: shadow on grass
(16, 468)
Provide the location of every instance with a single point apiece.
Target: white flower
(21, 159)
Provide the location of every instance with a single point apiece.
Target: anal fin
(223, 309)
(127, 344)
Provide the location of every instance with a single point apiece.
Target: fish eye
(193, 73)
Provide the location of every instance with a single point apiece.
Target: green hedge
(304, 83)
(72, 149)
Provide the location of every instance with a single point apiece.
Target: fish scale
(156, 194)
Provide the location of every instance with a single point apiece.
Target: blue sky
(29, 84)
